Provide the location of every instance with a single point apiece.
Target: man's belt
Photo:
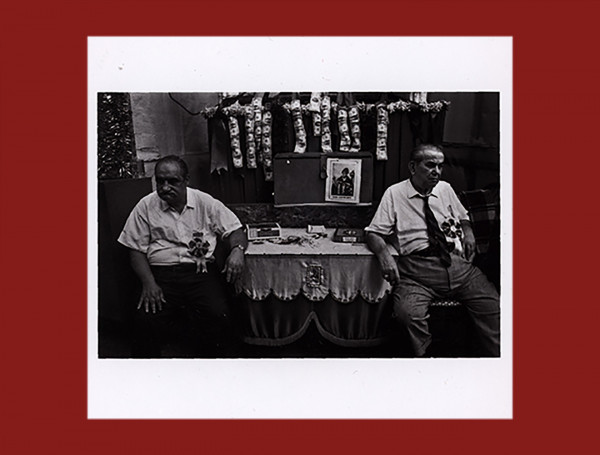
(182, 267)
(427, 252)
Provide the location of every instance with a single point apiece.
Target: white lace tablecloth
(314, 267)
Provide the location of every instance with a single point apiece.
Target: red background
(43, 224)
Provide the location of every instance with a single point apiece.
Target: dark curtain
(235, 185)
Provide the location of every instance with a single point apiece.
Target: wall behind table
(471, 139)
(471, 167)
(164, 127)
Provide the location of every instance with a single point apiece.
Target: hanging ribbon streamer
(298, 127)
(266, 146)
(315, 108)
(218, 144)
(236, 150)
(257, 107)
(354, 129)
(325, 128)
(250, 145)
(383, 120)
(345, 139)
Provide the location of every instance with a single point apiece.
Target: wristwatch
(241, 247)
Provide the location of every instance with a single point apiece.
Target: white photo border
(353, 164)
(393, 388)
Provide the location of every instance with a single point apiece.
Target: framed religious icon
(343, 180)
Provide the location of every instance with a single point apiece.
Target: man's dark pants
(195, 320)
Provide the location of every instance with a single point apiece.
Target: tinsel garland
(116, 141)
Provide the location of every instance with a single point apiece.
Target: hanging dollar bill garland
(257, 109)
(315, 109)
(250, 145)
(266, 146)
(298, 127)
(234, 135)
(345, 141)
(383, 120)
(258, 123)
(326, 130)
(354, 129)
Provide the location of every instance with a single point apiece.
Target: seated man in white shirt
(172, 234)
(432, 232)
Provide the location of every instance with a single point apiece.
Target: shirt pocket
(158, 233)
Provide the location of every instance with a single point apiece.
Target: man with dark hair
(172, 234)
(432, 233)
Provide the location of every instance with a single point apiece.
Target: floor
(451, 339)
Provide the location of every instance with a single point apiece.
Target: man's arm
(234, 264)
(152, 296)
(469, 240)
(378, 246)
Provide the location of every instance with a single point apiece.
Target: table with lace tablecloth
(303, 278)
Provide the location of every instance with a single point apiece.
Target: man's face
(170, 184)
(426, 172)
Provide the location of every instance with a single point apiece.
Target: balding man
(432, 232)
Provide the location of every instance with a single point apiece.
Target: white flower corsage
(198, 249)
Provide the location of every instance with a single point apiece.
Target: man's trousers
(195, 320)
(424, 278)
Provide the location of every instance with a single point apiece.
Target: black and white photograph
(343, 180)
(183, 176)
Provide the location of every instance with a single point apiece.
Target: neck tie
(437, 239)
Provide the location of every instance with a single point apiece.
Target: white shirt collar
(164, 206)
(412, 191)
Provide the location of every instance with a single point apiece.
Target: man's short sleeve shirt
(401, 212)
(163, 234)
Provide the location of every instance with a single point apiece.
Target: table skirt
(276, 322)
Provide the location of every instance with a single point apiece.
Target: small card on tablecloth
(316, 229)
